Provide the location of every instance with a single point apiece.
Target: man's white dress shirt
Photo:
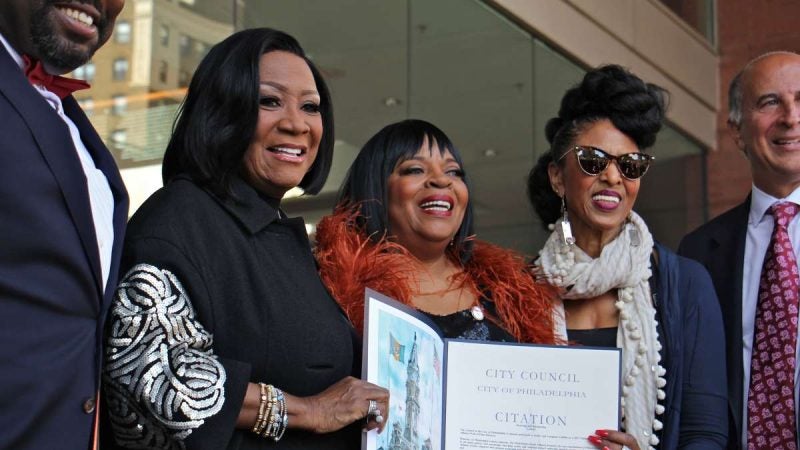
(759, 232)
(100, 196)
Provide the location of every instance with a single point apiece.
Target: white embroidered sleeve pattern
(162, 378)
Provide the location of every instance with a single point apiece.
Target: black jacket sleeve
(166, 387)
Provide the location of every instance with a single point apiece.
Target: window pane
(699, 14)
(118, 140)
(119, 104)
(120, 69)
(163, 32)
(87, 104)
(122, 32)
(85, 72)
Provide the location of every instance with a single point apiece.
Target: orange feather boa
(349, 262)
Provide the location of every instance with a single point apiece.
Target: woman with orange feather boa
(404, 228)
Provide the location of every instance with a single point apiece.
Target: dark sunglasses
(594, 161)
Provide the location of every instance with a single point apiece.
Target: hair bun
(636, 108)
(553, 126)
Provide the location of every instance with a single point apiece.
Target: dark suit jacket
(719, 246)
(52, 303)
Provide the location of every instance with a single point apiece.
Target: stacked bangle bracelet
(273, 419)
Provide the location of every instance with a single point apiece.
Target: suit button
(88, 405)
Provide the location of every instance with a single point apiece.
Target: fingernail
(603, 433)
(595, 440)
(606, 448)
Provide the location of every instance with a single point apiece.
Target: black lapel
(53, 140)
(726, 266)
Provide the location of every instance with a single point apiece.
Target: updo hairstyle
(611, 92)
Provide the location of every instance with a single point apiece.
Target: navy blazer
(719, 246)
(692, 338)
(52, 303)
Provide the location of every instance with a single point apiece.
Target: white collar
(760, 202)
(14, 54)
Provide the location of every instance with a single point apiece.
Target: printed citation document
(455, 394)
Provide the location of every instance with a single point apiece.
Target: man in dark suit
(63, 209)
(764, 118)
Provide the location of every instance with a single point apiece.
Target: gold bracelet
(266, 429)
(262, 408)
(273, 418)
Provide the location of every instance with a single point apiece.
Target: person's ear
(556, 175)
(736, 134)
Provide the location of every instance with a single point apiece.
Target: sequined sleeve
(161, 376)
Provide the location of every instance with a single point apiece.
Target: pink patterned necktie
(770, 404)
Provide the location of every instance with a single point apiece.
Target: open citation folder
(455, 394)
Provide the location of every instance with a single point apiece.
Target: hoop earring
(564, 225)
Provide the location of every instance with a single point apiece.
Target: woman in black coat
(221, 333)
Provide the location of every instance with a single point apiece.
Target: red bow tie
(61, 86)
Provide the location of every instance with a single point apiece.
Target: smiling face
(769, 132)
(63, 34)
(289, 128)
(427, 199)
(597, 205)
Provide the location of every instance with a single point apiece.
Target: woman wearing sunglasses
(618, 288)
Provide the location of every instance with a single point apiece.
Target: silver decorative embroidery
(162, 378)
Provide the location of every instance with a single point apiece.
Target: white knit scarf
(624, 265)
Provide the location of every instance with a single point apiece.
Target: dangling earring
(633, 234)
(564, 226)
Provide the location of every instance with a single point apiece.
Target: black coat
(257, 312)
(692, 338)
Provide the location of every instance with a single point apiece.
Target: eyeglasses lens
(594, 161)
(633, 165)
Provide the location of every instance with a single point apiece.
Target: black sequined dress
(463, 325)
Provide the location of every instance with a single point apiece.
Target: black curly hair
(610, 92)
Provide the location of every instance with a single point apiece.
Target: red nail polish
(602, 433)
(595, 440)
(606, 448)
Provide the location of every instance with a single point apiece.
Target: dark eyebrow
(283, 88)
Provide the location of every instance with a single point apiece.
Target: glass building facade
(489, 83)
